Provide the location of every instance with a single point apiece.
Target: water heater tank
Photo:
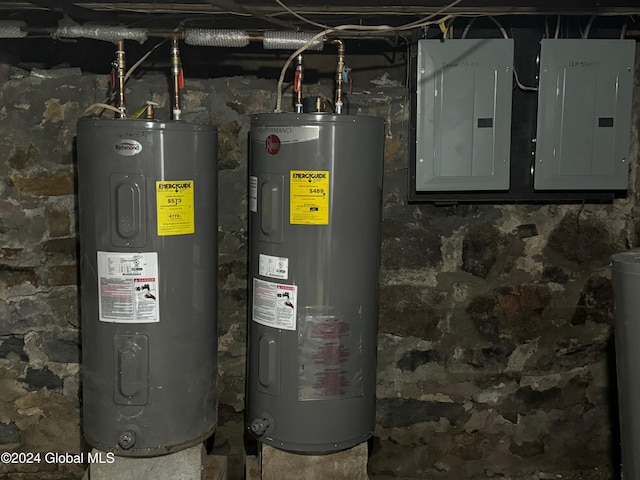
(315, 209)
(147, 194)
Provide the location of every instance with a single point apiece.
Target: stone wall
(495, 347)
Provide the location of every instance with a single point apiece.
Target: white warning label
(274, 304)
(253, 194)
(128, 287)
(274, 267)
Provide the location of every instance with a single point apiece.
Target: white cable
(585, 34)
(378, 28)
(373, 29)
(624, 31)
(142, 59)
(300, 17)
(557, 28)
(466, 29)
(502, 30)
(498, 24)
(546, 27)
(288, 62)
(100, 105)
(520, 85)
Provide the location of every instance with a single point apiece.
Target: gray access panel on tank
(149, 378)
(626, 287)
(584, 114)
(327, 270)
(463, 129)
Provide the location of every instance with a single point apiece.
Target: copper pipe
(175, 75)
(120, 73)
(339, 72)
(297, 84)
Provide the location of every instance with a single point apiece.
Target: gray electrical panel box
(584, 114)
(463, 114)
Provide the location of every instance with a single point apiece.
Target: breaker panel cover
(463, 115)
(584, 114)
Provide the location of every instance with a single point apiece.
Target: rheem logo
(272, 144)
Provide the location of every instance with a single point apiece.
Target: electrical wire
(133, 68)
(467, 28)
(106, 106)
(557, 34)
(500, 27)
(498, 24)
(423, 22)
(377, 28)
(300, 17)
(546, 27)
(142, 59)
(520, 85)
(587, 29)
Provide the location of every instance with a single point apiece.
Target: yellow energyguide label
(309, 197)
(175, 207)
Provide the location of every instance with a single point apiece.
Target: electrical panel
(463, 121)
(584, 114)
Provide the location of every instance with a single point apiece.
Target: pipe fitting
(259, 426)
(127, 439)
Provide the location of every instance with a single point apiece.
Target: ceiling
(382, 25)
(273, 14)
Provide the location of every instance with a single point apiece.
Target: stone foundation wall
(495, 345)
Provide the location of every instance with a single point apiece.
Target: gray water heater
(147, 194)
(625, 276)
(315, 211)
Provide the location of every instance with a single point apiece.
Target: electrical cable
(467, 28)
(498, 24)
(425, 21)
(377, 28)
(520, 85)
(100, 105)
(142, 59)
(500, 27)
(300, 17)
(587, 29)
(105, 105)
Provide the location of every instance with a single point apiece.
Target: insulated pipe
(275, 40)
(210, 37)
(203, 37)
(176, 75)
(101, 32)
(12, 29)
(339, 72)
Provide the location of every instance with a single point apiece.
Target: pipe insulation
(206, 37)
(284, 40)
(12, 29)
(100, 32)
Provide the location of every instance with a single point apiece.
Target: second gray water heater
(625, 277)
(315, 213)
